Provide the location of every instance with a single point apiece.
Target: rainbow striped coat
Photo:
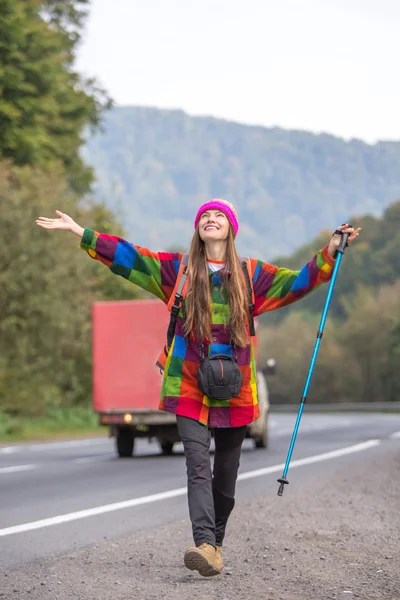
(156, 272)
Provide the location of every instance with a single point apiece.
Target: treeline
(359, 356)
(373, 261)
(47, 284)
(47, 288)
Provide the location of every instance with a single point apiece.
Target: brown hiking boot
(203, 560)
(218, 558)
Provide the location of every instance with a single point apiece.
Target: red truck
(128, 337)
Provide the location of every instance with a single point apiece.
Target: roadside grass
(58, 423)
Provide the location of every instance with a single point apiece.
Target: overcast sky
(318, 65)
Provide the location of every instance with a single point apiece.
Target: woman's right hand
(64, 222)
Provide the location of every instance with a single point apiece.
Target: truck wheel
(125, 442)
(166, 447)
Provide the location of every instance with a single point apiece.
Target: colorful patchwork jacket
(156, 272)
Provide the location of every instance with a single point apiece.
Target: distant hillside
(370, 263)
(157, 166)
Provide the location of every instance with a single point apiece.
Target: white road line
(16, 469)
(395, 435)
(8, 450)
(312, 427)
(54, 445)
(300, 462)
(100, 510)
(90, 459)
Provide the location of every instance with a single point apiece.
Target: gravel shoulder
(338, 536)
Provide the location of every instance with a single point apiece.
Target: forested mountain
(372, 261)
(157, 166)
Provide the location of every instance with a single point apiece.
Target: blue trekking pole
(340, 251)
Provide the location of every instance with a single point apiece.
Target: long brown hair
(197, 303)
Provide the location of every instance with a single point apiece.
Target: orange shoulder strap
(246, 266)
(180, 289)
(174, 306)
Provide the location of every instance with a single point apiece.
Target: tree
(394, 361)
(370, 334)
(47, 288)
(358, 358)
(44, 104)
(336, 376)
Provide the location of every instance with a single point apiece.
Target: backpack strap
(246, 266)
(177, 298)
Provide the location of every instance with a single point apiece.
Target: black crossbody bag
(219, 376)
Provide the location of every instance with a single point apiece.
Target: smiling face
(213, 225)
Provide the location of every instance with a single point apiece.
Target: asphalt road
(58, 497)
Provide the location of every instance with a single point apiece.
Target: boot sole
(194, 561)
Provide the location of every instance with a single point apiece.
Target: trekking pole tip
(282, 481)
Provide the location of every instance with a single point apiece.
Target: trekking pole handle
(343, 242)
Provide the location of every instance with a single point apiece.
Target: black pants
(211, 496)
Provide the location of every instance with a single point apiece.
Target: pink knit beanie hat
(223, 205)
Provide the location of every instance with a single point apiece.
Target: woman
(214, 322)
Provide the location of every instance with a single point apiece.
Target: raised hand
(336, 238)
(64, 222)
